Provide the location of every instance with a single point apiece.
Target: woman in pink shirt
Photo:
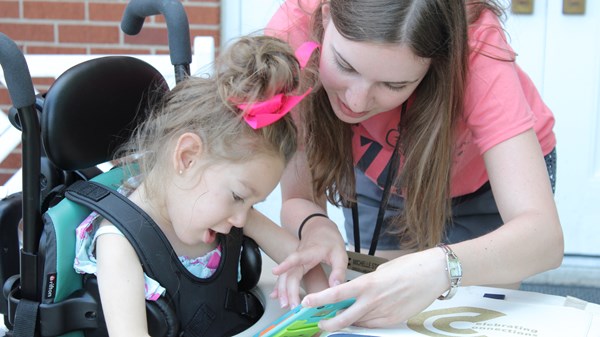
(435, 142)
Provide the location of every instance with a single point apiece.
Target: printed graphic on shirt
(373, 158)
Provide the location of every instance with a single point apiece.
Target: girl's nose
(238, 219)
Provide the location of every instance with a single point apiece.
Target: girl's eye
(237, 197)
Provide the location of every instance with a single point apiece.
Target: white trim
(10, 137)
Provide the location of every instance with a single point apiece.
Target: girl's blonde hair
(252, 69)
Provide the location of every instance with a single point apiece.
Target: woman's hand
(396, 291)
(321, 242)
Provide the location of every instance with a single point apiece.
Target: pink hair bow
(267, 112)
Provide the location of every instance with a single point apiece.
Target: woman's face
(364, 79)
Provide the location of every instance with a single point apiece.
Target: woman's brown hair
(433, 29)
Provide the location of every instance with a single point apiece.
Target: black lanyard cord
(392, 172)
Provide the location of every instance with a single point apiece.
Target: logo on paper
(465, 321)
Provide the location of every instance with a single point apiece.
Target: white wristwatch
(454, 271)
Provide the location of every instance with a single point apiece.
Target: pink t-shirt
(501, 102)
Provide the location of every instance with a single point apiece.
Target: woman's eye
(395, 87)
(343, 67)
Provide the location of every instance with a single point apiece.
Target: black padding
(162, 320)
(50, 177)
(93, 107)
(10, 215)
(250, 264)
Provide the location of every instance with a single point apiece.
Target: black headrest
(93, 107)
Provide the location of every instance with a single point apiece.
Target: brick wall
(88, 27)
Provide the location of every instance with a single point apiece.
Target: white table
(531, 308)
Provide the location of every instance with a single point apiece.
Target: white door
(561, 53)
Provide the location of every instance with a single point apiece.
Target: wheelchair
(66, 133)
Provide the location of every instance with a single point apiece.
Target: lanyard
(389, 181)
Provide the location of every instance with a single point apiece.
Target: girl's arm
(121, 284)
(272, 239)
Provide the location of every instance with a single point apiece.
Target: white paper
(476, 316)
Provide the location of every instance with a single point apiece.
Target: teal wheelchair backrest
(60, 279)
(71, 303)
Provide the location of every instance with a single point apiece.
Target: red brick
(53, 10)
(9, 9)
(42, 81)
(119, 51)
(28, 32)
(75, 38)
(4, 96)
(54, 50)
(4, 177)
(88, 34)
(149, 35)
(106, 11)
(204, 15)
(13, 161)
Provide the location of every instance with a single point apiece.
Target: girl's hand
(321, 242)
(287, 286)
(396, 291)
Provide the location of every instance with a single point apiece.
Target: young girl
(440, 139)
(212, 149)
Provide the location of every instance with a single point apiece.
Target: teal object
(66, 216)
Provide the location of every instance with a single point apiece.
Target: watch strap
(454, 269)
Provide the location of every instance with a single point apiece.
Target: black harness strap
(205, 307)
(26, 319)
(151, 245)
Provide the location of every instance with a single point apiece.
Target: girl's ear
(325, 14)
(188, 150)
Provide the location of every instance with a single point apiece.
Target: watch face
(454, 269)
